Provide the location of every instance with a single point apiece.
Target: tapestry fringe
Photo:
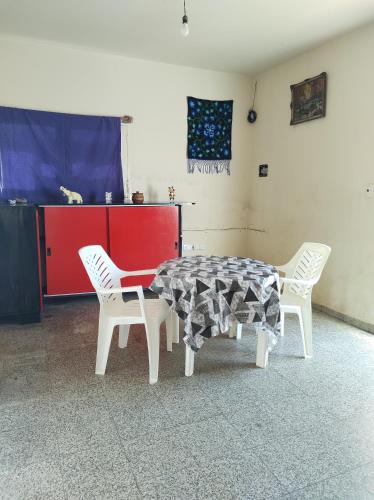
(208, 166)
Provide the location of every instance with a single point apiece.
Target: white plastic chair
(106, 277)
(301, 274)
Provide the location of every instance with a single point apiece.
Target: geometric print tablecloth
(210, 293)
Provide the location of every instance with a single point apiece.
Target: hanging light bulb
(185, 30)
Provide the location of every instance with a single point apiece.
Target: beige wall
(60, 78)
(318, 171)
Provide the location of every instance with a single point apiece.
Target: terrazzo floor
(301, 429)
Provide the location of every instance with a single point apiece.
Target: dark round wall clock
(252, 116)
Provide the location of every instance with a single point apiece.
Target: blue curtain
(41, 151)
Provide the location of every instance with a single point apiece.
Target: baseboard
(362, 325)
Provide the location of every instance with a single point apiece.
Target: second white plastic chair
(106, 277)
(302, 272)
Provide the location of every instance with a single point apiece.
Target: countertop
(147, 204)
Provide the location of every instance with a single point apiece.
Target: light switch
(263, 170)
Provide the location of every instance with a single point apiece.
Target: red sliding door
(67, 229)
(142, 238)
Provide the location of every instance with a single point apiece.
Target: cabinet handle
(49, 252)
(175, 245)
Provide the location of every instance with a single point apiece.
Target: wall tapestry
(41, 151)
(308, 99)
(209, 136)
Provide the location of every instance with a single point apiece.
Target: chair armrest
(122, 289)
(283, 269)
(294, 281)
(142, 272)
(126, 289)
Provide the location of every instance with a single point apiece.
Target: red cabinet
(67, 229)
(142, 238)
(136, 237)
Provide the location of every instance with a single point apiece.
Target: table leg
(262, 348)
(172, 330)
(190, 355)
(239, 331)
(175, 321)
(232, 331)
(235, 330)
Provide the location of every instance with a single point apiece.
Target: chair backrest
(102, 271)
(307, 264)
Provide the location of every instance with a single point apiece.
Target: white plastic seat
(301, 274)
(105, 277)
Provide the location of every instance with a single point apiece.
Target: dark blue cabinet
(20, 297)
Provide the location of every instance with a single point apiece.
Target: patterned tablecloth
(210, 293)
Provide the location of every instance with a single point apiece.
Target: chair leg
(123, 336)
(282, 324)
(306, 330)
(239, 329)
(175, 321)
(190, 355)
(103, 344)
(171, 328)
(152, 330)
(262, 348)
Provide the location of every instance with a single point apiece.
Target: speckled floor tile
(100, 473)
(314, 455)
(299, 412)
(186, 401)
(29, 413)
(154, 454)
(81, 426)
(28, 444)
(258, 424)
(239, 477)
(23, 379)
(133, 421)
(231, 431)
(212, 438)
(232, 394)
(357, 484)
(40, 480)
(346, 402)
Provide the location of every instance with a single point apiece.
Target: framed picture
(308, 99)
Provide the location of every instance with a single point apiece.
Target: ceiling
(241, 36)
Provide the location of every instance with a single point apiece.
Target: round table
(211, 293)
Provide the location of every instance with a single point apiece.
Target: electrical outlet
(191, 247)
(263, 170)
